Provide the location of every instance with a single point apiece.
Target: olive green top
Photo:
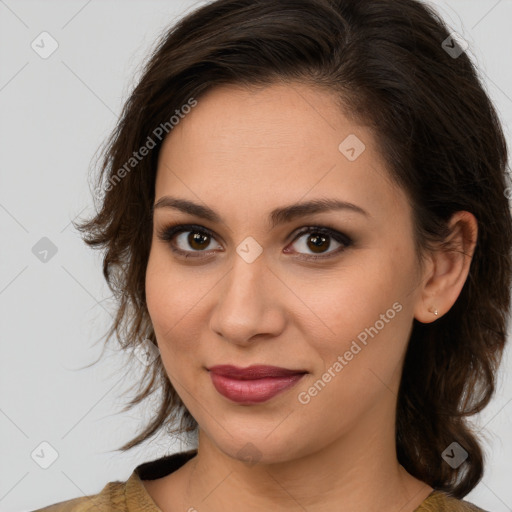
(131, 496)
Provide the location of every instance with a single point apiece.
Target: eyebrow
(277, 216)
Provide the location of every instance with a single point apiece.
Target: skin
(244, 152)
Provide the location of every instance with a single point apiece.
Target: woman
(303, 207)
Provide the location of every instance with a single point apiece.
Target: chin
(259, 450)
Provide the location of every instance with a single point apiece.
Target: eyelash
(168, 232)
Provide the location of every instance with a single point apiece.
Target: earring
(435, 311)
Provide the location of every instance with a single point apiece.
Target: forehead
(272, 146)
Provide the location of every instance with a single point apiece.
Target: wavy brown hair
(387, 62)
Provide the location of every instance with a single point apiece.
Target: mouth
(254, 384)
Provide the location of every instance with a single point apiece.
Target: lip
(256, 371)
(254, 384)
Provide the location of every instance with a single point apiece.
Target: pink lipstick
(254, 384)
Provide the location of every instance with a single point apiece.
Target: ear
(448, 269)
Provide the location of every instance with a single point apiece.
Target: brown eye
(318, 241)
(190, 241)
(186, 240)
(197, 240)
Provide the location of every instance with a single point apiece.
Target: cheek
(157, 299)
(167, 294)
(360, 363)
(355, 299)
(366, 313)
(163, 302)
(172, 302)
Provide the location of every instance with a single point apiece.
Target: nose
(248, 303)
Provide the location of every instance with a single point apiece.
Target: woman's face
(250, 291)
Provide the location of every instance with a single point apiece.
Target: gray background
(54, 113)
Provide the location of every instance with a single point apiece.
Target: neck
(358, 471)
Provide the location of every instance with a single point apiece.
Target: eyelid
(344, 240)
(169, 231)
(326, 230)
